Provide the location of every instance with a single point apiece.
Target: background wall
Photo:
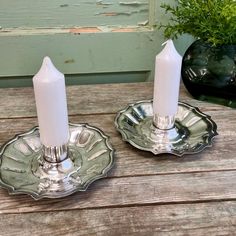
(92, 41)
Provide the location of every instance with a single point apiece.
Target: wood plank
(85, 53)
(130, 161)
(81, 53)
(153, 178)
(134, 191)
(86, 99)
(91, 99)
(216, 218)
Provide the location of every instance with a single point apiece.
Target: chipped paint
(107, 29)
(75, 30)
(126, 29)
(133, 4)
(84, 30)
(138, 5)
(144, 23)
(69, 61)
(64, 5)
(75, 13)
(113, 14)
(88, 3)
(128, 13)
(102, 3)
(106, 14)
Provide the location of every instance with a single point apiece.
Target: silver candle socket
(55, 154)
(163, 122)
(56, 164)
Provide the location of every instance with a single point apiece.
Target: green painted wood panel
(70, 13)
(114, 50)
(80, 53)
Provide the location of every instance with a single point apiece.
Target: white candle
(167, 80)
(50, 96)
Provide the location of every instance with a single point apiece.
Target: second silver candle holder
(189, 132)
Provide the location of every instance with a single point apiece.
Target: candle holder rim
(13, 191)
(125, 137)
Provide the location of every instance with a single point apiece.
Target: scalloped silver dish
(193, 130)
(90, 154)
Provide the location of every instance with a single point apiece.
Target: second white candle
(167, 81)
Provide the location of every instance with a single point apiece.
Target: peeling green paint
(71, 13)
(69, 61)
(64, 5)
(144, 23)
(90, 41)
(102, 3)
(133, 4)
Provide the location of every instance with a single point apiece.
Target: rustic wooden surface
(143, 194)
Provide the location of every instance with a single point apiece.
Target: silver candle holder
(189, 132)
(26, 166)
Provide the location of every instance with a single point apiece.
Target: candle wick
(165, 42)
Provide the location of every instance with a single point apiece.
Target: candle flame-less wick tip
(167, 41)
(47, 60)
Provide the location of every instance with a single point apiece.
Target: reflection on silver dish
(23, 168)
(192, 132)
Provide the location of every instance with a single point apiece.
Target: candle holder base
(192, 131)
(24, 169)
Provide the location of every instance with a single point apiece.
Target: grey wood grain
(132, 162)
(89, 99)
(202, 219)
(133, 191)
(143, 194)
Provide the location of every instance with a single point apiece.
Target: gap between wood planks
(73, 115)
(170, 173)
(128, 206)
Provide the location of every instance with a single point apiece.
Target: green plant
(213, 21)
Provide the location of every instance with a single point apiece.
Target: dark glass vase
(209, 73)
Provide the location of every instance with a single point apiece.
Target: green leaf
(213, 21)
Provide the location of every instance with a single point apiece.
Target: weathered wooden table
(143, 194)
